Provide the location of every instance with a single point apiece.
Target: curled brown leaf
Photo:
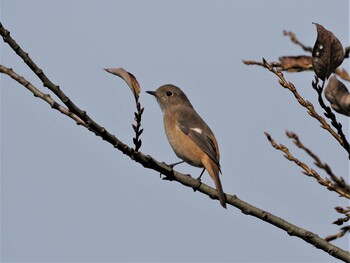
(128, 78)
(338, 95)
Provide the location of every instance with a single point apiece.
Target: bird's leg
(171, 166)
(199, 178)
(199, 181)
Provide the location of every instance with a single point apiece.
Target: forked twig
(37, 93)
(306, 170)
(338, 182)
(339, 222)
(306, 104)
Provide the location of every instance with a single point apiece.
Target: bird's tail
(214, 170)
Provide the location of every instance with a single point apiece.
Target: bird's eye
(169, 93)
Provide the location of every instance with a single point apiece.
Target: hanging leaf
(128, 78)
(338, 95)
(327, 54)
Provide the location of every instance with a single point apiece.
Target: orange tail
(213, 170)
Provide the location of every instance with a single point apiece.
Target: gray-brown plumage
(188, 134)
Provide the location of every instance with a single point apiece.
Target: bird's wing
(192, 125)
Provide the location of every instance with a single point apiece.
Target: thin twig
(343, 211)
(138, 115)
(342, 232)
(339, 222)
(330, 115)
(148, 162)
(294, 39)
(306, 104)
(258, 63)
(306, 170)
(37, 93)
(338, 182)
(289, 64)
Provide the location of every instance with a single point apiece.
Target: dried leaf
(327, 54)
(338, 95)
(128, 78)
(296, 63)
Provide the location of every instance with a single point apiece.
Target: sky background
(68, 196)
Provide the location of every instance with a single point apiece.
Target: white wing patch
(197, 130)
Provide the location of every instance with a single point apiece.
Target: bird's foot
(173, 164)
(195, 188)
(199, 181)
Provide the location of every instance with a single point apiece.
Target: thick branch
(148, 162)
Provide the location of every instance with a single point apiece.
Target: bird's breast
(183, 146)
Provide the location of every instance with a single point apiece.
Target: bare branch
(338, 182)
(294, 39)
(339, 222)
(330, 115)
(306, 104)
(342, 232)
(306, 170)
(37, 93)
(345, 212)
(259, 63)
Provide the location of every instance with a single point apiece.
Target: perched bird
(189, 136)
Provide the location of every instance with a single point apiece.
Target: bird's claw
(195, 188)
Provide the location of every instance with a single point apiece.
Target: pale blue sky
(68, 196)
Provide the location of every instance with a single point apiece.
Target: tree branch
(37, 93)
(306, 104)
(339, 222)
(341, 233)
(148, 162)
(294, 39)
(299, 63)
(307, 171)
(338, 182)
(330, 115)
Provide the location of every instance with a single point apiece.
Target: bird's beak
(152, 93)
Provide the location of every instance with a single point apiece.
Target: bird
(190, 137)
